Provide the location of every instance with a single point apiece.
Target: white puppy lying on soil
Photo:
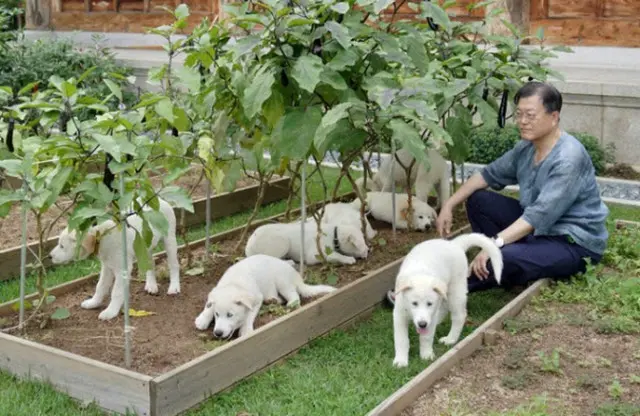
(105, 240)
(432, 280)
(236, 300)
(344, 242)
(379, 204)
(344, 213)
(422, 178)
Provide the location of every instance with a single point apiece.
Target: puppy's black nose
(422, 324)
(218, 333)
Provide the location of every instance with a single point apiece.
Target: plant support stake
(23, 253)
(125, 280)
(393, 188)
(303, 213)
(208, 219)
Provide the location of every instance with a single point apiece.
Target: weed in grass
(634, 379)
(538, 406)
(550, 363)
(517, 357)
(617, 409)
(589, 381)
(519, 380)
(616, 390)
(524, 324)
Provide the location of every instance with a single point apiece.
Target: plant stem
(303, 213)
(23, 256)
(125, 281)
(393, 188)
(208, 220)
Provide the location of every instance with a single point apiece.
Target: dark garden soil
(168, 338)
(622, 171)
(11, 226)
(549, 361)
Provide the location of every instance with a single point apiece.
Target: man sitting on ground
(560, 219)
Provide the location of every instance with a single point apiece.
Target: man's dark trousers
(528, 259)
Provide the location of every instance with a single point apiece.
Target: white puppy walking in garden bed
(432, 281)
(236, 300)
(344, 243)
(105, 240)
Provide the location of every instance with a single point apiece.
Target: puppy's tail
(466, 241)
(307, 291)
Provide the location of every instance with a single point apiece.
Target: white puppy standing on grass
(105, 240)
(379, 204)
(344, 243)
(236, 300)
(432, 281)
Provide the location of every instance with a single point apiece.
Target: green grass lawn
(347, 372)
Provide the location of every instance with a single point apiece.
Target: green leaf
(273, 109)
(157, 220)
(164, 108)
(142, 254)
(109, 145)
(60, 314)
(333, 78)
(380, 5)
(189, 76)
(408, 137)
(297, 131)
(343, 59)
(306, 72)
(300, 22)
(178, 197)
(341, 7)
(258, 91)
(437, 13)
(12, 167)
(332, 279)
(460, 131)
(15, 306)
(245, 45)
(195, 271)
(57, 184)
(115, 90)
(182, 11)
(328, 123)
(339, 33)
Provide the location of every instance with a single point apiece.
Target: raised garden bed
(175, 366)
(241, 199)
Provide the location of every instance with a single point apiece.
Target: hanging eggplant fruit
(9, 140)
(432, 25)
(485, 92)
(502, 111)
(108, 176)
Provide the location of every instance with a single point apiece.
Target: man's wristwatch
(499, 241)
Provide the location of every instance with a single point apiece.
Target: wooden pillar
(38, 14)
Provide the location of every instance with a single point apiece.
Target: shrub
(488, 144)
(23, 62)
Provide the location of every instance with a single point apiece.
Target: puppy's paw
(108, 314)
(151, 288)
(202, 323)
(173, 289)
(349, 260)
(90, 304)
(427, 354)
(448, 340)
(400, 362)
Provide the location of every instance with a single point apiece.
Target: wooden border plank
(189, 384)
(59, 290)
(411, 391)
(222, 205)
(111, 387)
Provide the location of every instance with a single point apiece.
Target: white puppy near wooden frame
(105, 241)
(431, 282)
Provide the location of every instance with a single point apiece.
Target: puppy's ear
(404, 212)
(441, 289)
(245, 300)
(89, 243)
(402, 286)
